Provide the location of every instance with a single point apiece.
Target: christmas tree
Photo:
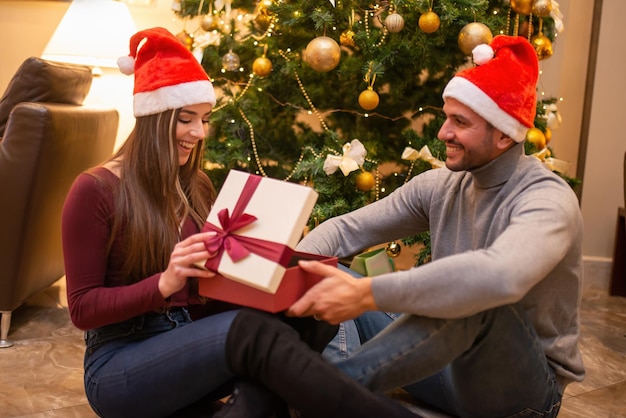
(345, 95)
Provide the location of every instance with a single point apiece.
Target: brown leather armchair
(47, 137)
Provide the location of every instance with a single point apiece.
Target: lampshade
(92, 32)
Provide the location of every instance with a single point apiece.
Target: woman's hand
(181, 266)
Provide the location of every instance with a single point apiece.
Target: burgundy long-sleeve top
(96, 290)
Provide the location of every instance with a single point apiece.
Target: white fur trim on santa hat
(470, 95)
(173, 97)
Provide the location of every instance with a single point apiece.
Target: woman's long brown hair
(156, 194)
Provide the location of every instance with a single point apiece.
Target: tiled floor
(41, 375)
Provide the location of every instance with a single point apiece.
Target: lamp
(92, 32)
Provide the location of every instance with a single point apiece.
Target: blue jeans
(487, 365)
(156, 364)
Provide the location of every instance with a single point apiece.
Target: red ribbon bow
(238, 247)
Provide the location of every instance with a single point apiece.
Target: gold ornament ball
(542, 8)
(209, 23)
(394, 22)
(347, 38)
(542, 45)
(263, 18)
(393, 249)
(429, 22)
(472, 35)
(368, 99)
(262, 21)
(536, 137)
(262, 66)
(365, 181)
(322, 54)
(186, 39)
(548, 135)
(522, 7)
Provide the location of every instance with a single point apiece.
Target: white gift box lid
(282, 210)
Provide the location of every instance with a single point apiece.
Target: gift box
(373, 263)
(295, 282)
(257, 221)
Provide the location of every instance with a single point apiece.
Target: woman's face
(192, 127)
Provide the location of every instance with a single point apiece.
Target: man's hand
(338, 297)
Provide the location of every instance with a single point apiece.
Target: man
(490, 325)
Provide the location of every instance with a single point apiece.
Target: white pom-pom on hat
(482, 54)
(126, 64)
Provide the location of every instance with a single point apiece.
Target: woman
(131, 237)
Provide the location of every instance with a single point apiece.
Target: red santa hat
(502, 87)
(167, 75)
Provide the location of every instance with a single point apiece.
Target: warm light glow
(92, 32)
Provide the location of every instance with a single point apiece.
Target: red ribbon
(238, 247)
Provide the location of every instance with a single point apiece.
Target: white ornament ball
(394, 22)
(230, 61)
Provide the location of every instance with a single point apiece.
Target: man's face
(471, 141)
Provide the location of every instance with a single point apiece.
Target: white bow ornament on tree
(353, 158)
(552, 116)
(553, 164)
(412, 154)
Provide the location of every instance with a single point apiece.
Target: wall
(570, 52)
(25, 27)
(603, 192)
(565, 76)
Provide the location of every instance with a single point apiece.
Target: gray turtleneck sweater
(508, 232)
